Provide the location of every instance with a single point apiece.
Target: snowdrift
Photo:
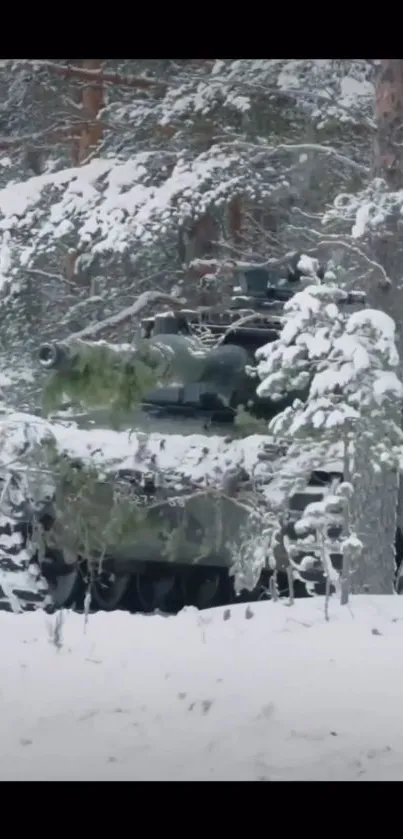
(261, 693)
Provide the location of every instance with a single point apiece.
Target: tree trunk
(374, 519)
(92, 102)
(388, 251)
(388, 164)
(388, 156)
(235, 219)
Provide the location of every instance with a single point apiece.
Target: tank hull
(197, 530)
(191, 515)
(192, 527)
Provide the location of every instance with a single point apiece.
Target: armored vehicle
(171, 502)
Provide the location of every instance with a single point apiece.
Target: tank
(182, 489)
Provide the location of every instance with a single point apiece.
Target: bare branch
(49, 275)
(55, 133)
(98, 76)
(384, 280)
(241, 322)
(207, 493)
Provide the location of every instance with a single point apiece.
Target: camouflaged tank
(169, 502)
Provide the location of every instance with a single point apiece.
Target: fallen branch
(130, 311)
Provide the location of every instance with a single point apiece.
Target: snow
(361, 221)
(351, 350)
(5, 258)
(377, 319)
(106, 202)
(334, 88)
(365, 211)
(353, 542)
(194, 454)
(353, 90)
(202, 458)
(111, 206)
(17, 199)
(283, 695)
(180, 453)
(386, 384)
(307, 265)
(338, 89)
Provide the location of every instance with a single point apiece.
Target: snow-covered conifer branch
(328, 151)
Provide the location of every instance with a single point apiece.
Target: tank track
(22, 586)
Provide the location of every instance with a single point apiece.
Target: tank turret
(254, 318)
(202, 354)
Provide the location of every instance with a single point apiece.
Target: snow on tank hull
(175, 475)
(188, 521)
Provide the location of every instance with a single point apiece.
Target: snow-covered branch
(100, 76)
(95, 329)
(342, 242)
(328, 151)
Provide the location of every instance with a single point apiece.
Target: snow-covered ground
(268, 692)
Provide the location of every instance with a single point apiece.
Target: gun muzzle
(53, 356)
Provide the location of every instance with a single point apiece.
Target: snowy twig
(384, 280)
(241, 322)
(345, 570)
(210, 493)
(334, 240)
(303, 147)
(290, 578)
(5, 490)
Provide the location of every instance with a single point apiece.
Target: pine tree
(346, 363)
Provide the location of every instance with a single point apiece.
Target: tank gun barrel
(56, 356)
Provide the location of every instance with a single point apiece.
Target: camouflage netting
(91, 513)
(148, 509)
(100, 376)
